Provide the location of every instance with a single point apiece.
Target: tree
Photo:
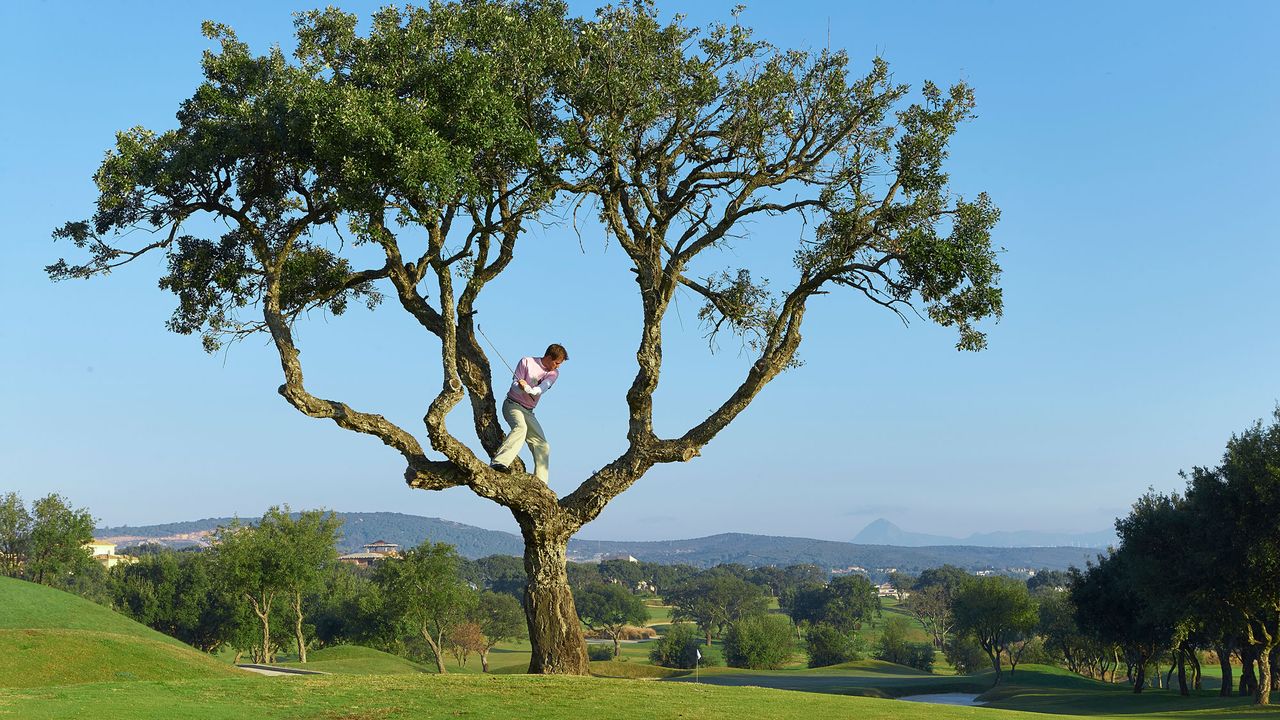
(894, 646)
(610, 608)
(500, 619)
(307, 546)
(1235, 506)
(995, 611)
(931, 599)
(844, 603)
(759, 642)
(445, 132)
(829, 645)
(15, 534)
(463, 639)
(248, 561)
(56, 544)
(426, 595)
(713, 600)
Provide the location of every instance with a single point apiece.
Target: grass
(61, 656)
(49, 637)
(357, 660)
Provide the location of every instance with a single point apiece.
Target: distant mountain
(875, 559)
(883, 532)
(358, 529)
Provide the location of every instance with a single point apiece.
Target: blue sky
(1131, 149)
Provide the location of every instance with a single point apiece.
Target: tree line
(1197, 571)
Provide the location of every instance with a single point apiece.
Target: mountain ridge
(884, 532)
(876, 560)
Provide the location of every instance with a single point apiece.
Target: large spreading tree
(442, 134)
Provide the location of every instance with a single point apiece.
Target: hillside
(49, 637)
(752, 550)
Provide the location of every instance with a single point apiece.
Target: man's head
(554, 356)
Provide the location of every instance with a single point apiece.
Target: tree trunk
(554, 633)
(1139, 674)
(617, 648)
(1263, 695)
(1224, 662)
(297, 626)
(1196, 674)
(1248, 681)
(484, 661)
(1182, 671)
(436, 650)
(995, 664)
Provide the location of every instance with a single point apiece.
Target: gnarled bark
(554, 633)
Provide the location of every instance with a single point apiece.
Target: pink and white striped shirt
(532, 372)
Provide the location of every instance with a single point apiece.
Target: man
(533, 377)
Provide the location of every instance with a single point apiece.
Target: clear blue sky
(1132, 149)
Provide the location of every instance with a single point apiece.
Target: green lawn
(49, 637)
(63, 657)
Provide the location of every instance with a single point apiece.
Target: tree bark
(484, 661)
(297, 626)
(1263, 695)
(1182, 671)
(1248, 681)
(558, 647)
(1224, 662)
(436, 650)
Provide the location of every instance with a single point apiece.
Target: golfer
(533, 377)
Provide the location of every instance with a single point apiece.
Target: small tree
(15, 534)
(248, 561)
(56, 544)
(307, 546)
(425, 594)
(610, 608)
(679, 648)
(464, 639)
(713, 600)
(501, 620)
(829, 645)
(759, 642)
(995, 611)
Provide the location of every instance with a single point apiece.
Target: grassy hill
(49, 637)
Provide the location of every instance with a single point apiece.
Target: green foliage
(57, 539)
(845, 603)
(996, 612)
(15, 534)
(596, 651)
(609, 608)
(828, 645)
(966, 655)
(425, 595)
(894, 647)
(176, 593)
(681, 647)
(759, 642)
(713, 599)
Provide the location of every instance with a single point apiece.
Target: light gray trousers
(524, 429)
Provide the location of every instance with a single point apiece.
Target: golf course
(63, 657)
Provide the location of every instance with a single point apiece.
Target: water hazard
(945, 698)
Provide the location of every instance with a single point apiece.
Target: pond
(945, 698)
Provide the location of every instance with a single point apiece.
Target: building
(382, 547)
(105, 553)
(373, 552)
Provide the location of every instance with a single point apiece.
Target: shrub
(828, 645)
(598, 651)
(760, 642)
(679, 648)
(966, 655)
(895, 648)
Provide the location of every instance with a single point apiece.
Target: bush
(894, 647)
(600, 651)
(828, 645)
(679, 648)
(966, 656)
(760, 642)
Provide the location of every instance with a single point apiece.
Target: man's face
(551, 363)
